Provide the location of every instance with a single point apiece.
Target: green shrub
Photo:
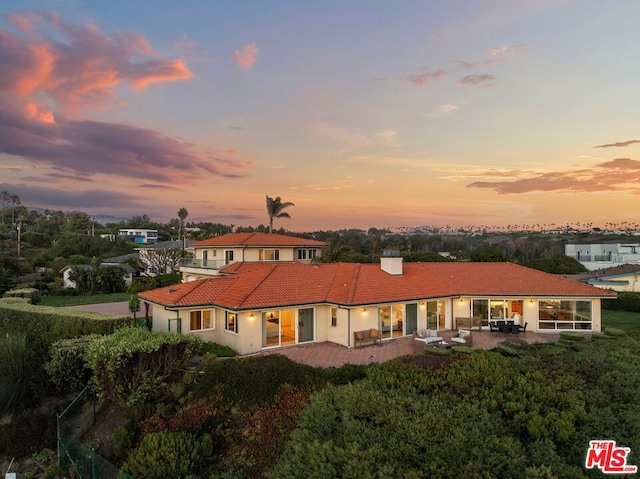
(68, 368)
(615, 332)
(15, 373)
(32, 294)
(463, 349)
(345, 374)
(169, 454)
(251, 381)
(626, 301)
(437, 351)
(131, 364)
(507, 350)
(572, 336)
(168, 279)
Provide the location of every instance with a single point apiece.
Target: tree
(162, 260)
(5, 197)
(182, 214)
(275, 209)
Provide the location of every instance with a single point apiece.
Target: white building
(140, 236)
(604, 255)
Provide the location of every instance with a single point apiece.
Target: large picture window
(231, 321)
(201, 319)
(269, 255)
(564, 314)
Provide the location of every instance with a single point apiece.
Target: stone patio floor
(325, 355)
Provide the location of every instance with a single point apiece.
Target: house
(138, 235)
(128, 272)
(604, 255)
(625, 277)
(261, 305)
(212, 255)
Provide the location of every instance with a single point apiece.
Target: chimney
(391, 262)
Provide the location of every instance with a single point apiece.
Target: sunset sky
(364, 113)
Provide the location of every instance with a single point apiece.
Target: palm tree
(182, 214)
(274, 210)
(15, 200)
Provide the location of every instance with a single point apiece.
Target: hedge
(32, 294)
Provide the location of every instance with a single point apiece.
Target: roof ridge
(355, 277)
(255, 286)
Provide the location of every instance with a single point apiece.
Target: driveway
(121, 308)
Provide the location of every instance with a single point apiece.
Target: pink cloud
(78, 66)
(421, 79)
(51, 67)
(246, 57)
(620, 174)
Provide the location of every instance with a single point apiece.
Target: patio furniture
(506, 328)
(368, 335)
(427, 336)
(463, 338)
(469, 323)
(522, 329)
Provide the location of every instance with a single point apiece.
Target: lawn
(620, 319)
(78, 300)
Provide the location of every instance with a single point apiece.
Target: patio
(325, 355)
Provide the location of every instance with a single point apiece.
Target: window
(228, 256)
(564, 314)
(334, 317)
(231, 321)
(205, 257)
(306, 254)
(269, 255)
(201, 319)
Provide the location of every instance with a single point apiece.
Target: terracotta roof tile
(258, 239)
(280, 284)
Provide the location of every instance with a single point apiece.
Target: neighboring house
(214, 254)
(256, 306)
(604, 255)
(66, 271)
(625, 277)
(163, 257)
(138, 235)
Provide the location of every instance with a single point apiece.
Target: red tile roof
(351, 284)
(258, 239)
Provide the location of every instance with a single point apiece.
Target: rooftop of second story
(259, 240)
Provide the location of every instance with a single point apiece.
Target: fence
(76, 459)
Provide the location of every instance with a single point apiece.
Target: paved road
(112, 308)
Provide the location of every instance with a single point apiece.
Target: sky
(363, 113)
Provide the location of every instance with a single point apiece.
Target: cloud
(480, 81)
(246, 57)
(93, 147)
(387, 137)
(421, 79)
(68, 199)
(619, 144)
(621, 174)
(52, 70)
(448, 108)
(78, 66)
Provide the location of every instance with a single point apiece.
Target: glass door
(411, 312)
(305, 325)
